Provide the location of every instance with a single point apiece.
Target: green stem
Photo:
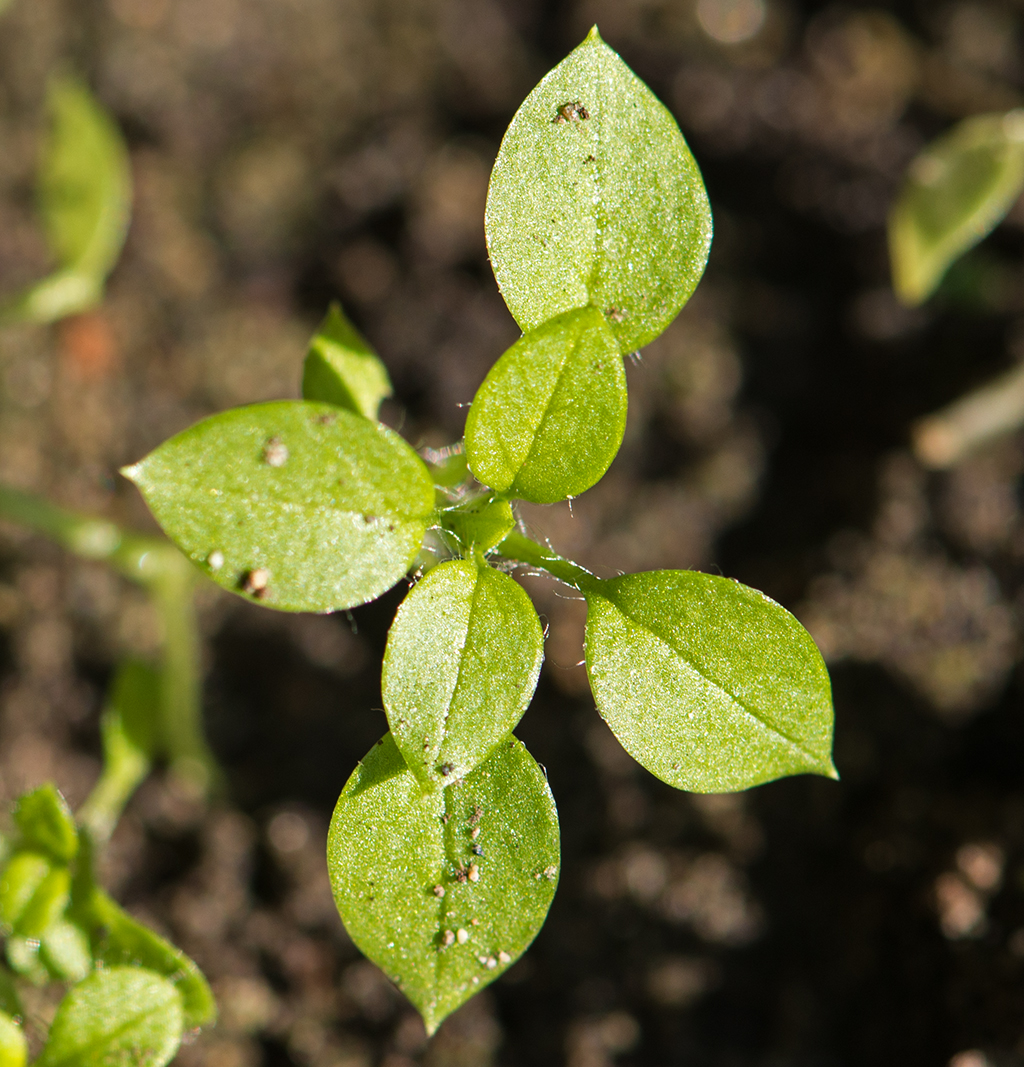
(519, 547)
(170, 580)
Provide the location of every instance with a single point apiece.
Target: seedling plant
(444, 847)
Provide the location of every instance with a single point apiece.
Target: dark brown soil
(287, 153)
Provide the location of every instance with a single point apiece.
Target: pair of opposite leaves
(598, 229)
(144, 993)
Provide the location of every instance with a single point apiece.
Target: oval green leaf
(302, 506)
(116, 1016)
(342, 369)
(64, 949)
(548, 419)
(709, 684)
(13, 1046)
(956, 191)
(461, 664)
(84, 194)
(23, 874)
(596, 199)
(440, 919)
(46, 823)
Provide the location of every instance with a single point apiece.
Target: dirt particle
(462, 935)
(477, 850)
(615, 314)
(474, 833)
(447, 938)
(473, 874)
(476, 815)
(438, 890)
(474, 922)
(255, 582)
(570, 111)
(551, 872)
(215, 560)
(275, 453)
(445, 769)
(504, 957)
(461, 874)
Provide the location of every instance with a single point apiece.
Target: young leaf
(595, 199)
(128, 728)
(342, 369)
(13, 1046)
(119, 1015)
(64, 950)
(118, 939)
(549, 417)
(84, 199)
(46, 904)
(301, 505)
(482, 524)
(24, 873)
(709, 684)
(46, 823)
(441, 918)
(955, 192)
(461, 664)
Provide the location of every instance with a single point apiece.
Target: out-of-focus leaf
(84, 195)
(461, 664)
(46, 905)
(596, 200)
(300, 505)
(955, 192)
(443, 890)
(342, 369)
(13, 1046)
(46, 823)
(24, 873)
(64, 949)
(117, 1016)
(709, 684)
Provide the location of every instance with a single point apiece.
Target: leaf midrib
(743, 705)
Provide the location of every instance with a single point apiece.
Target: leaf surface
(549, 417)
(462, 661)
(956, 191)
(301, 505)
(116, 1016)
(342, 369)
(595, 199)
(709, 684)
(46, 823)
(13, 1046)
(393, 850)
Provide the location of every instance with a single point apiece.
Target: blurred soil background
(288, 152)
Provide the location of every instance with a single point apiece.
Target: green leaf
(955, 192)
(46, 823)
(461, 664)
(10, 1002)
(24, 873)
(46, 905)
(117, 1016)
(709, 684)
(441, 920)
(595, 199)
(84, 195)
(301, 505)
(549, 417)
(64, 949)
(128, 728)
(117, 939)
(482, 523)
(342, 369)
(13, 1046)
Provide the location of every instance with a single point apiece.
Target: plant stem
(170, 580)
(519, 547)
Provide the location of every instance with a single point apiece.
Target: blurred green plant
(444, 846)
(131, 994)
(84, 195)
(956, 191)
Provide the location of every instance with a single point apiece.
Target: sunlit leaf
(955, 192)
(117, 1016)
(462, 662)
(549, 417)
(709, 684)
(596, 200)
(342, 369)
(64, 950)
(444, 889)
(23, 874)
(300, 505)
